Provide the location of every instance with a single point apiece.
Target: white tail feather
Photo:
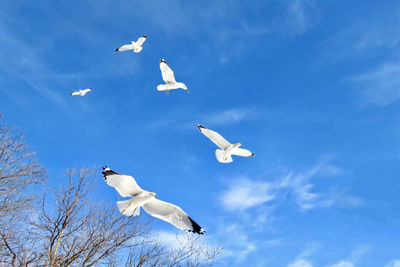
(137, 50)
(162, 87)
(127, 209)
(222, 157)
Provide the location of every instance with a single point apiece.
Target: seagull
(169, 79)
(82, 92)
(224, 155)
(135, 46)
(126, 186)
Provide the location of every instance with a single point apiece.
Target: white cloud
(381, 86)
(375, 31)
(244, 193)
(393, 263)
(229, 116)
(300, 263)
(354, 257)
(343, 264)
(299, 12)
(238, 245)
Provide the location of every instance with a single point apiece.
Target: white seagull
(135, 46)
(126, 186)
(169, 79)
(82, 92)
(224, 155)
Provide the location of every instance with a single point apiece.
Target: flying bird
(126, 186)
(169, 79)
(224, 155)
(135, 46)
(82, 92)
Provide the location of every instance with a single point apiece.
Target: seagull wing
(140, 41)
(167, 73)
(173, 214)
(125, 185)
(125, 47)
(84, 92)
(215, 137)
(242, 152)
(76, 93)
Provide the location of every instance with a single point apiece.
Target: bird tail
(161, 87)
(127, 209)
(138, 49)
(222, 156)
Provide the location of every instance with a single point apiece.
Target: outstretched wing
(242, 152)
(173, 214)
(76, 93)
(125, 185)
(167, 73)
(85, 91)
(125, 47)
(215, 137)
(141, 40)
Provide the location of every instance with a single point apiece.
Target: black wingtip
(107, 171)
(145, 36)
(162, 60)
(196, 228)
(200, 127)
(116, 50)
(252, 155)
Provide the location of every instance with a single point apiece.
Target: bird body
(126, 186)
(224, 154)
(131, 207)
(169, 79)
(135, 46)
(82, 92)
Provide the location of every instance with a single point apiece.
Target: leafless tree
(70, 226)
(73, 229)
(18, 171)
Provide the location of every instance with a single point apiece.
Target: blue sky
(311, 87)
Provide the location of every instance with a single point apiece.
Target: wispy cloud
(381, 86)
(300, 263)
(299, 12)
(251, 204)
(238, 245)
(301, 260)
(354, 257)
(370, 32)
(228, 116)
(343, 263)
(393, 263)
(243, 194)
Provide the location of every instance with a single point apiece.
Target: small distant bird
(224, 155)
(82, 92)
(126, 186)
(169, 79)
(135, 46)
